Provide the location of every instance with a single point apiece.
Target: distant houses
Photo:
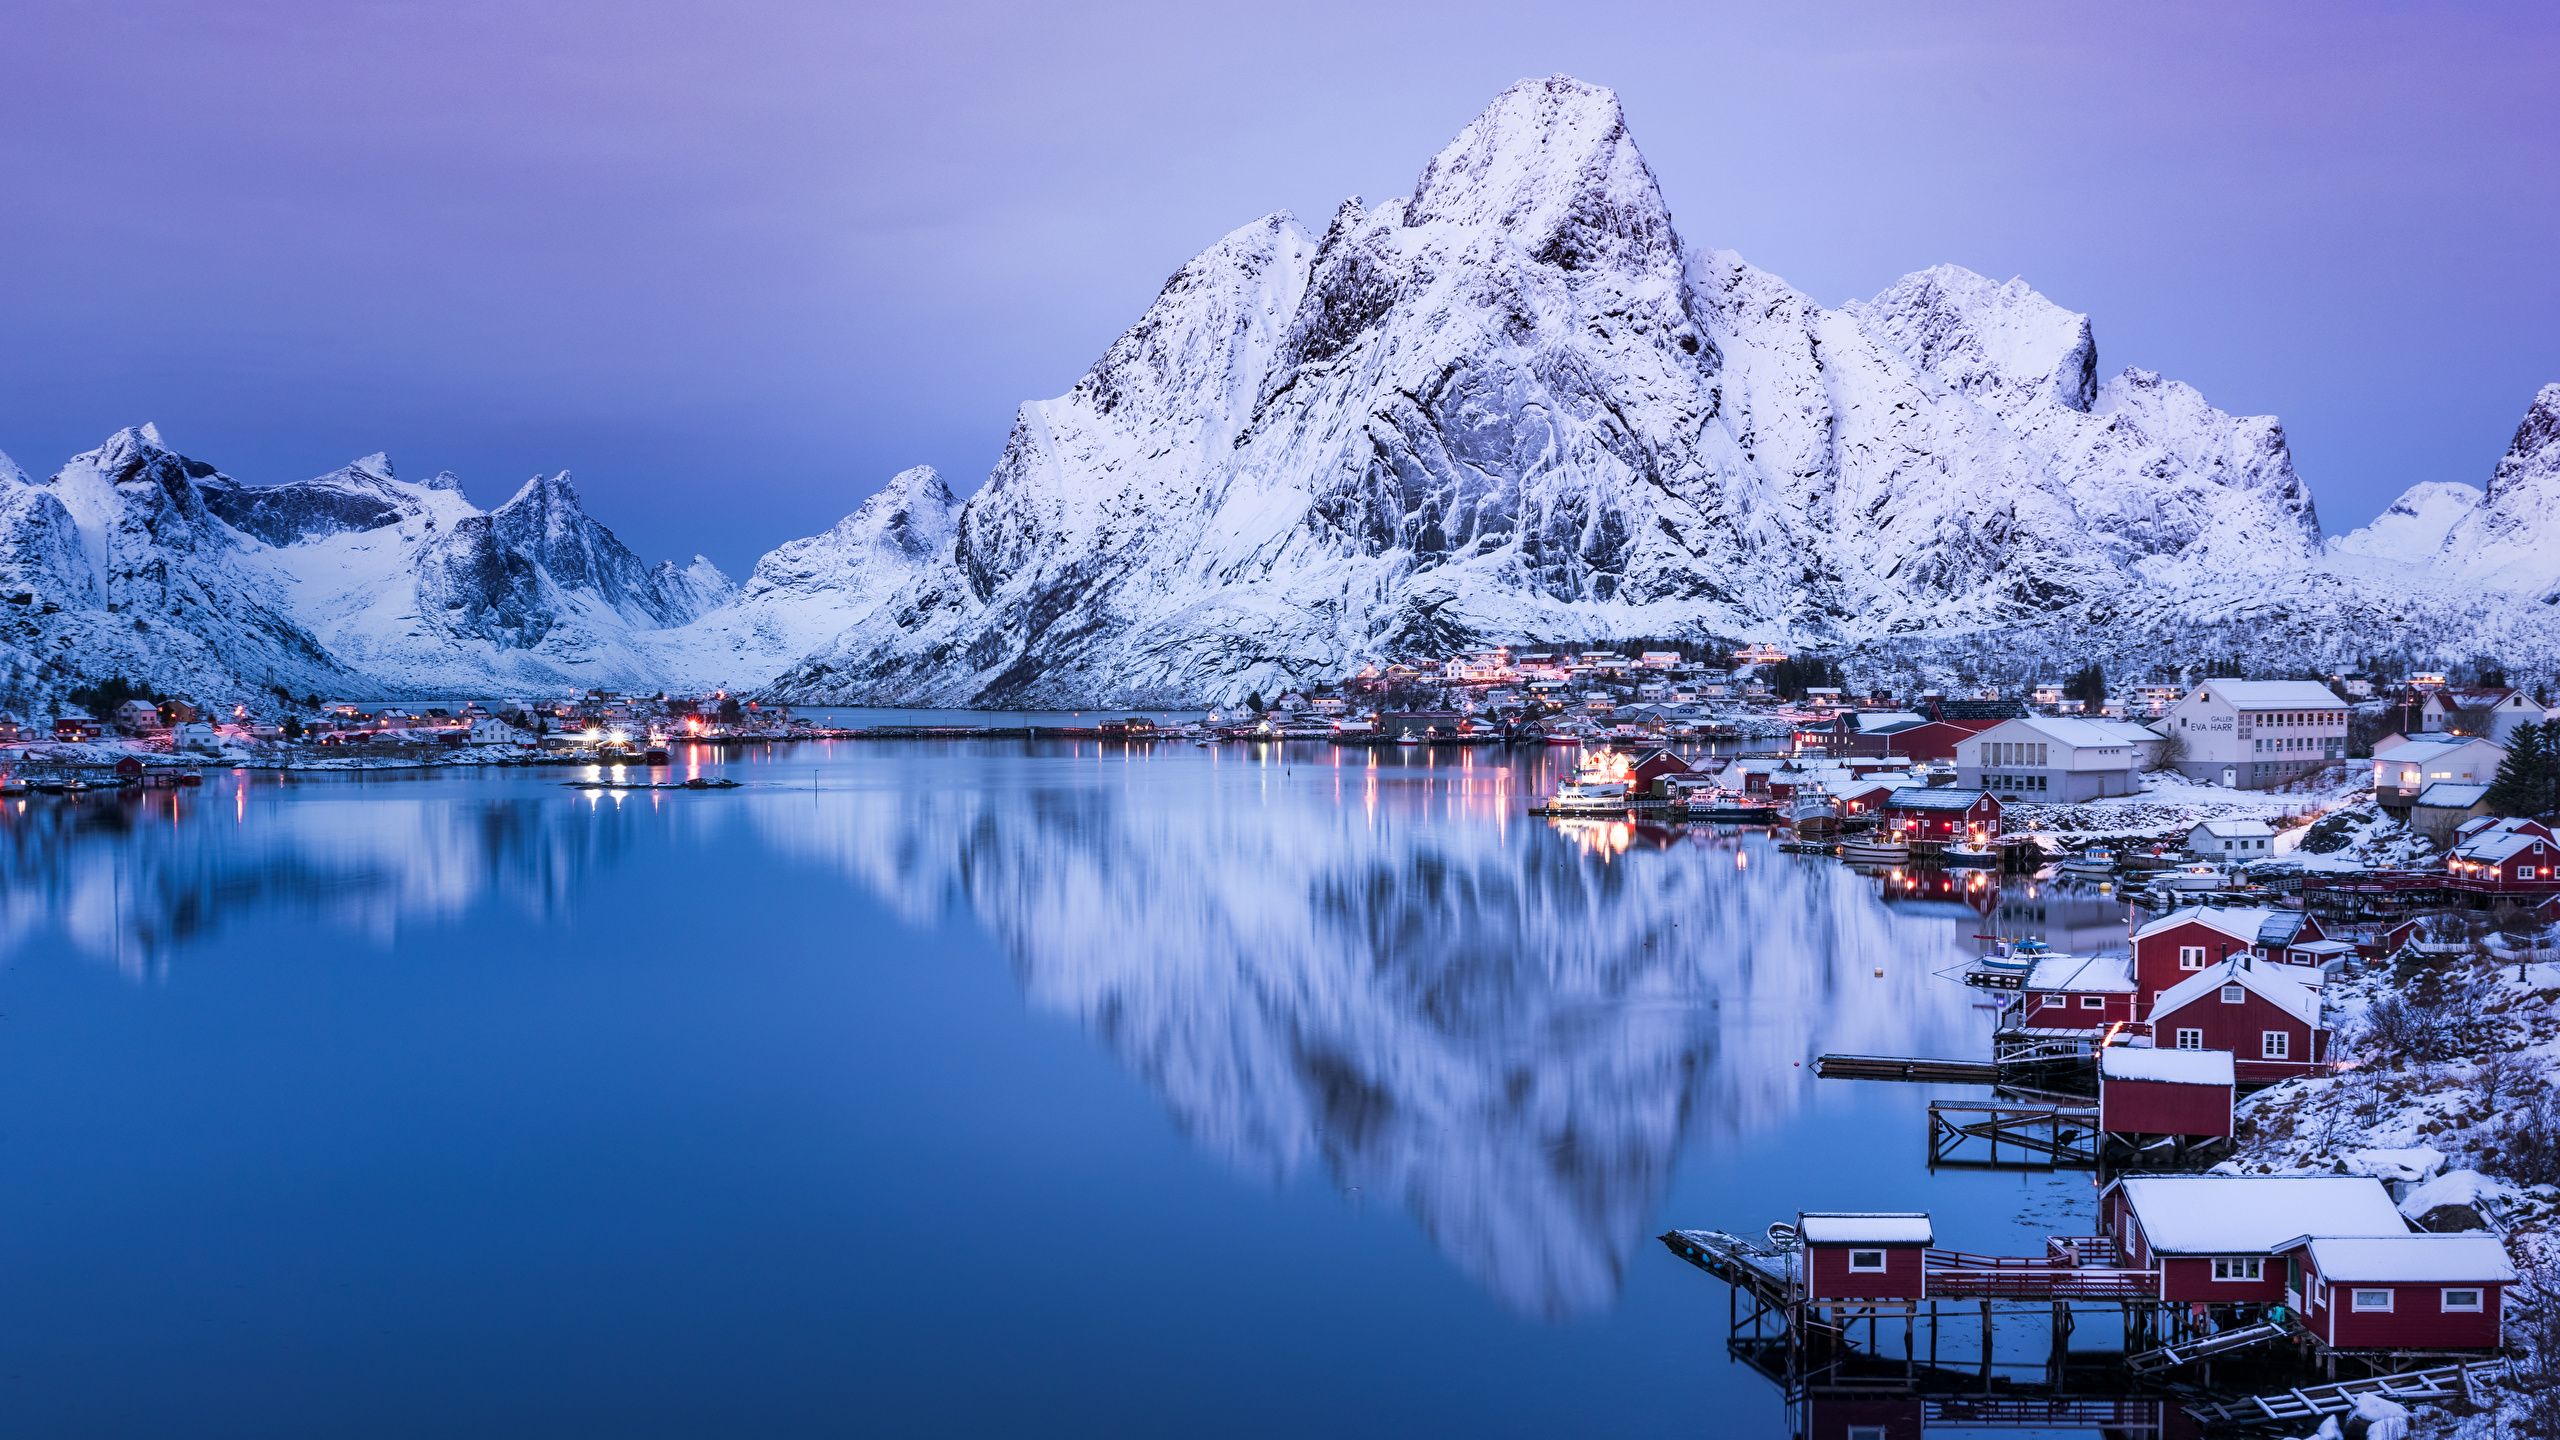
(2404, 766)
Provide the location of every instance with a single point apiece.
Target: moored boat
(1966, 855)
(2096, 861)
(1874, 850)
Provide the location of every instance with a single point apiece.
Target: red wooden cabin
(1864, 1255)
(2509, 857)
(1653, 765)
(2143, 1090)
(2075, 994)
(2222, 1239)
(2268, 1021)
(2403, 1292)
(1934, 814)
(2178, 945)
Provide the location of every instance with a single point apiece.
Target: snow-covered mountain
(1515, 403)
(2458, 539)
(136, 560)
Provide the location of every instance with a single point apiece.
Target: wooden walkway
(2311, 1402)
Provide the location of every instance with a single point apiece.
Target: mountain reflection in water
(1374, 969)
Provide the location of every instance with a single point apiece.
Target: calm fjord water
(931, 1088)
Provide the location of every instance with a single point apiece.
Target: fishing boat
(1407, 737)
(13, 788)
(2008, 964)
(1966, 855)
(2096, 862)
(1586, 795)
(1875, 850)
(1733, 807)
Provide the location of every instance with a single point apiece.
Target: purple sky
(734, 263)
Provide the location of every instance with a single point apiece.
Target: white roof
(2276, 694)
(1854, 1227)
(2493, 845)
(2077, 733)
(1883, 719)
(2075, 973)
(2255, 1214)
(2452, 795)
(2173, 1067)
(2241, 922)
(2234, 829)
(2280, 990)
(2418, 752)
(2411, 1259)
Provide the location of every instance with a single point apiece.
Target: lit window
(2462, 1300)
(2239, 1267)
(2369, 1300)
(1866, 1261)
(2274, 1045)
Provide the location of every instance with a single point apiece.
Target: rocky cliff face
(1514, 404)
(2454, 546)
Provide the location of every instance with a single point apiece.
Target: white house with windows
(2057, 758)
(2403, 768)
(2231, 841)
(2256, 733)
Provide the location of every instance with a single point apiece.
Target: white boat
(1607, 797)
(1873, 850)
(1407, 737)
(1969, 856)
(2097, 861)
(2191, 879)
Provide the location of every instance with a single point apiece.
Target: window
(2275, 1045)
(2239, 1267)
(1867, 1262)
(2234, 994)
(2190, 1039)
(2093, 1002)
(2462, 1300)
(2369, 1300)
(2190, 957)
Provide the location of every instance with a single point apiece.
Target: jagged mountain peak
(10, 473)
(376, 465)
(2534, 454)
(2000, 341)
(1542, 147)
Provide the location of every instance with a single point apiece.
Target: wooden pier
(2309, 1403)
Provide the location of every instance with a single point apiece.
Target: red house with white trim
(1864, 1255)
(2508, 857)
(2074, 995)
(2403, 1292)
(1930, 814)
(2222, 1239)
(2143, 1090)
(2176, 946)
(2269, 1021)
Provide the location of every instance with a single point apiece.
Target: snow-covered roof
(2173, 1067)
(1918, 797)
(2452, 795)
(2240, 922)
(1871, 722)
(2101, 974)
(2492, 846)
(2411, 1259)
(2281, 926)
(2275, 694)
(2420, 751)
(2255, 1214)
(2083, 734)
(2282, 991)
(1864, 1227)
(2235, 829)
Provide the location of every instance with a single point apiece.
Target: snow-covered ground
(2450, 1100)
(2170, 805)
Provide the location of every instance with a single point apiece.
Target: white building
(2256, 733)
(2403, 769)
(2491, 712)
(2231, 840)
(2047, 757)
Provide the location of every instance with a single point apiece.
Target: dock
(1897, 1067)
(2310, 1403)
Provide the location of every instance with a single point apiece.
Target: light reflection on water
(1368, 969)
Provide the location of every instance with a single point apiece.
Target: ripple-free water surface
(936, 1088)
